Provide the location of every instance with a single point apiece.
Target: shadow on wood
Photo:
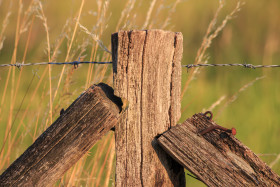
(172, 168)
(216, 158)
(88, 118)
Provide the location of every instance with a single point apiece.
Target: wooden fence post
(91, 115)
(147, 72)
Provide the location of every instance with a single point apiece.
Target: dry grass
(31, 98)
(41, 15)
(99, 169)
(274, 162)
(235, 95)
(210, 35)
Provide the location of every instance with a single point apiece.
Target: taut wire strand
(19, 65)
(221, 65)
(76, 63)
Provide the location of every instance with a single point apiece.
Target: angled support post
(217, 158)
(75, 131)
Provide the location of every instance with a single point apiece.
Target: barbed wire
(220, 65)
(76, 63)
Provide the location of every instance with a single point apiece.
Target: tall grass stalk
(69, 48)
(148, 16)
(42, 16)
(7, 136)
(211, 34)
(274, 162)
(235, 95)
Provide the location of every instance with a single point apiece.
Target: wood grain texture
(216, 158)
(147, 72)
(91, 115)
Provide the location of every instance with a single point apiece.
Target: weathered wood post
(84, 122)
(217, 158)
(147, 72)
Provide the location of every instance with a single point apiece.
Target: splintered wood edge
(216, 158)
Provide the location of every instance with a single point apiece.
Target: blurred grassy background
(252, 36)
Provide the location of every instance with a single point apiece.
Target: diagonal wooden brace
(217, 158)
(77, 129)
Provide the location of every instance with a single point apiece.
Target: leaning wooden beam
(91, 115)
(217, 158)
